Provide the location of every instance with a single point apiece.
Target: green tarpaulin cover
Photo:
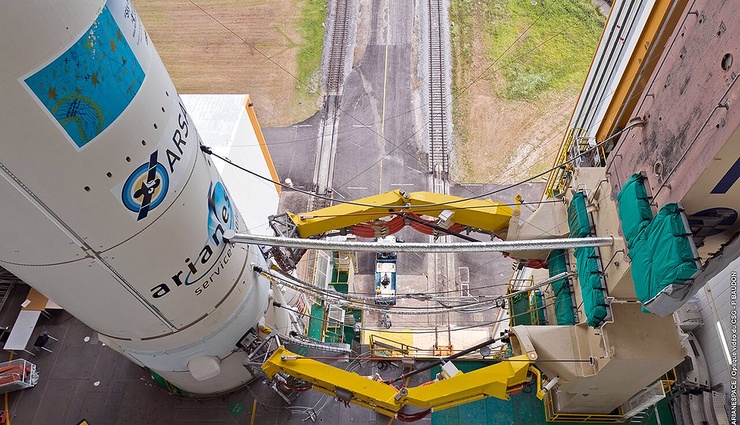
(561, 288)
(661, 249)
(578, 217)
(591, 286)
(663, 262)
(634, 206)
(589, 277)
(526, 309)
(519, 310)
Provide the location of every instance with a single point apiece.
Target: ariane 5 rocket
(109, 208)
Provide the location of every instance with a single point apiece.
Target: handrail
(401, 347)
(558, 179)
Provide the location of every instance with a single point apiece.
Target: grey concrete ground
(293, 150)
(86, 380)
(379, 145)
(486, 274)
(380, 148)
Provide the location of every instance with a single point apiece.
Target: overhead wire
(511, 45)
(347, 300)
(606, 95)
(228, 161)
(594, 124)
(454, 278)
(426, 123)
(209, 151)
(410, 331)
(485, 71)
(495, 258)
(396, 146)
(311, 194)
(480, 76)
(308, 87)
(477, 196)
(609, 139)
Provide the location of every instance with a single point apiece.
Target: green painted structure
(523, 408)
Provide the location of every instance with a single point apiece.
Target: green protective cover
(641, 266)
(522, 306)
(591, 290)
(578, 217)
(671, 247)
(520, 310)
(561, 288)
(662, 257)
(634, 207)
(316, 322)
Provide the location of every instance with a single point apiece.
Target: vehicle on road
(385, 275)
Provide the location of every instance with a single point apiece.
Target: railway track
(437, 127)
(335, 67)
(438, 153)
(333, 82)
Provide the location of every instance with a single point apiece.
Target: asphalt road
(380, 129)
(380, 133)
(381, 146)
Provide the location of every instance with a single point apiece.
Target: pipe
(502, 246)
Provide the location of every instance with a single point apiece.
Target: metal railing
(385, 347)
(559, 178)
(552, 416)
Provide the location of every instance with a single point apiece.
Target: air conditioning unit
(644, 399)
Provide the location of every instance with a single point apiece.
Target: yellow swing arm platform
(483, 214)
(498, 380)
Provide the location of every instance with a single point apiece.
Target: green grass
(534, 45)
(310, 51)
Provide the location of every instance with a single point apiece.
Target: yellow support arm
(497, 380)
(481, 214)
(492, 381)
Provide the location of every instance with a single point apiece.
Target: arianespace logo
(146, 187)
(202, 268)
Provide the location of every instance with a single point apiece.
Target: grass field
(268, 49)
(311, 27)
(518, 67)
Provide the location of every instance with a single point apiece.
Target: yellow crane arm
(497, 380)
(481, 214)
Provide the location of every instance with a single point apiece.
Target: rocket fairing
(109, 207)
